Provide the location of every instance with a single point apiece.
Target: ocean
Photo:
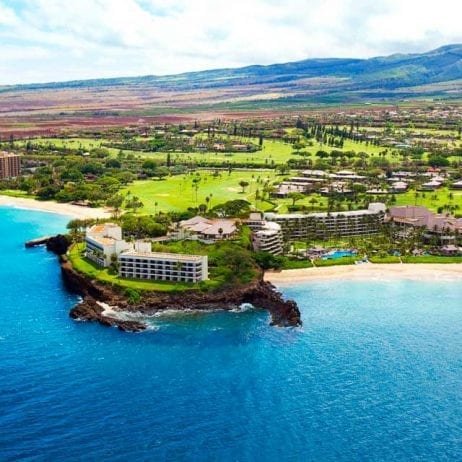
(374, 374)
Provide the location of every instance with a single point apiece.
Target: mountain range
(434, 74)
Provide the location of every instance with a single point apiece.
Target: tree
(313, 201)
(161, 172)
(243, 184)
(134, 203)
(295, 196)
(113, 163)
(115, 202)
(266, 260)
(195, 185)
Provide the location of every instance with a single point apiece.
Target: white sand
(369, 272)
(70, 210)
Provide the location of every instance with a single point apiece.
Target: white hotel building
(266, 235)
(104, 243)
(163, 266)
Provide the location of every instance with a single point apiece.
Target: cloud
(49, 40)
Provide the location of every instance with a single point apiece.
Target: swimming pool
(335, 254)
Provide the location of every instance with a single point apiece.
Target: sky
(59, 40)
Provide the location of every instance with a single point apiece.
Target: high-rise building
(10, 165)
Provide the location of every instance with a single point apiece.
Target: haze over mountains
(277, 87)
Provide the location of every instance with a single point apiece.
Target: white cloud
(101, 38)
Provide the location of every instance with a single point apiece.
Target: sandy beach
(369, 272)
(70, 210)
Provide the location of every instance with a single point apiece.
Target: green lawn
(16, 193)
(176, 193)
(336, 261)
(273, 151)
(386, 259)
(431, 259)
(76, 143)
(296, 264)
(431, 199)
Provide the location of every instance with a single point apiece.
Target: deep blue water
(375, 373)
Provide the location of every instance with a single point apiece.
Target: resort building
(206, 229)
(398, 187)
(431, 185)
(104, 241)
(266, 235)
(268, 239)
(444, 226)
(104, 245)
(10, 165)
(296, 226)
(163, 266)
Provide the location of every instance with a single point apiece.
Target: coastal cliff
(260, 294)
(110, 306)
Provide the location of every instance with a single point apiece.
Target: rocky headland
(97, 297)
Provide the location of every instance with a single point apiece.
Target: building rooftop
(162, 255)
(209, 227)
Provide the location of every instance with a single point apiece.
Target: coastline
(70, 210)
(369, 272)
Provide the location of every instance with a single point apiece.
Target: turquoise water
(375, 373)
(339, 254)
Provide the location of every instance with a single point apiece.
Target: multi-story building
(266, 235)
(104, 245)
(268, 239)
(296, 226)
(163, 266)
(103, 241)
(10, 165)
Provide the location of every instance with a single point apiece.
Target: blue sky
(55, 40)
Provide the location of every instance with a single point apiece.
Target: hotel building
(104, 241)
(268, 239)
(104, 244)
(10, 165)
(296, 226)
(266, 235)
(163, 266)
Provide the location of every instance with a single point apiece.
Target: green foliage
(142, 226)
(132, 295)
(233, 208)
(266, 260)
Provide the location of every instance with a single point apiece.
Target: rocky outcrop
(260, 294)
(90, 310)
(58, 244)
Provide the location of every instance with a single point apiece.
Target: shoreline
(70, 210)
(369, 272)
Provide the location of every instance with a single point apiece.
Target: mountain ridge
(311, 67)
